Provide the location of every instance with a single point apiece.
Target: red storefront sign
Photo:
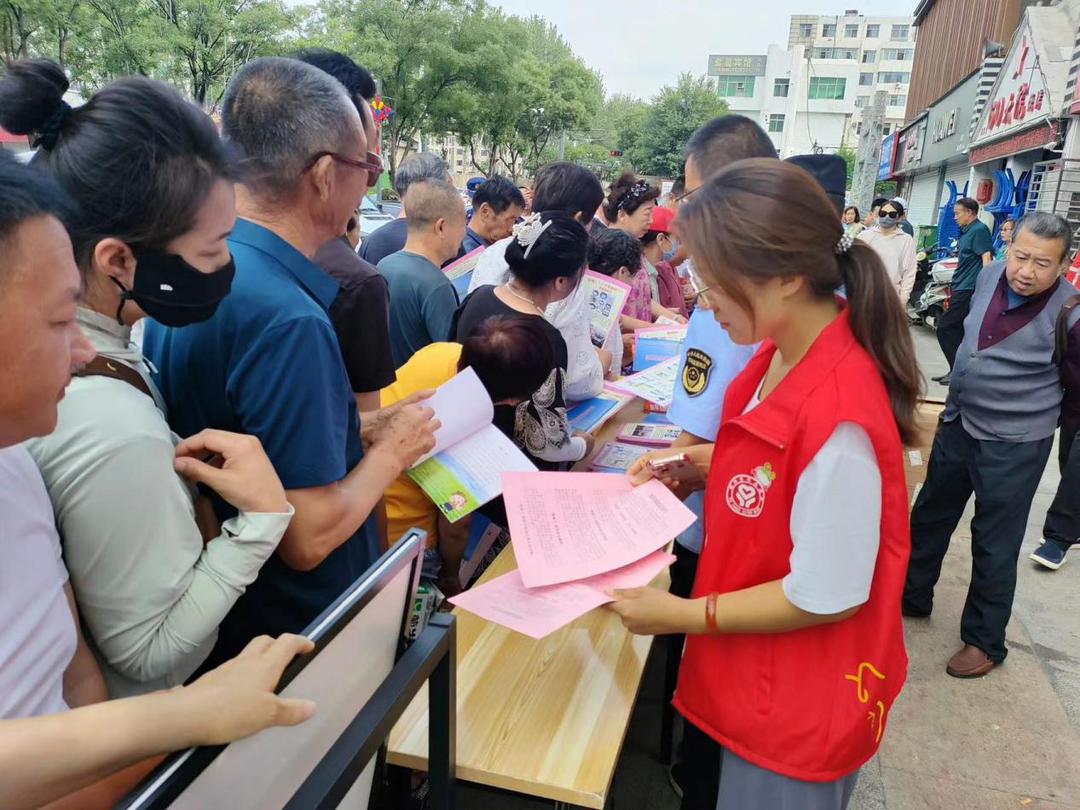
(1043, 135)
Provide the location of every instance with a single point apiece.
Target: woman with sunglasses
(895, 248)
(154, 203)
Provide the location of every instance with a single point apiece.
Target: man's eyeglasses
(890, 214)
(373, 165)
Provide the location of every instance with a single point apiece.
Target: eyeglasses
(373, 165)
(685, 194)
(890, 214)
(699, 292)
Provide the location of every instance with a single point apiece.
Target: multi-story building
(952, 43)
(454, 151)
(883, 48)
(804, 104)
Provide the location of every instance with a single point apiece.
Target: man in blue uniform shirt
(268, 362)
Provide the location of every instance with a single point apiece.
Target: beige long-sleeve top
(150, 593)
(898, 254)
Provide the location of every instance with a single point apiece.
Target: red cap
(662, 219)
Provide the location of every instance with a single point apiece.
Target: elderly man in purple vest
(995, 437)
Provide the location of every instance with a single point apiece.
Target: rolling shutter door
(923, 198)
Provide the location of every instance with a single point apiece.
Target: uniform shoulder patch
(695, 376)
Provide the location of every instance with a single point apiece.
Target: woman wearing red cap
(795, 650)
(659, 243)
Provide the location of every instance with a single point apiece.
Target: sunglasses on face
(373, 165)
(890, 214)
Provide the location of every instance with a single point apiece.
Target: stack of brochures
(576, 536)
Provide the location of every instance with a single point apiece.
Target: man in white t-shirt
(45, 666)
(47, 752)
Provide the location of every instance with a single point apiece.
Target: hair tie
(49, 134)
(845, 243)
(528, 231)
(635, 192)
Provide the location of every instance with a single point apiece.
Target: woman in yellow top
(512, 357)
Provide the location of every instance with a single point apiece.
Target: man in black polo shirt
(361, 311)
(976, 251)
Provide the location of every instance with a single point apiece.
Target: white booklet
(464, 471)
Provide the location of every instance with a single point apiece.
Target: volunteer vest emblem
(695, 375)
(746, 493)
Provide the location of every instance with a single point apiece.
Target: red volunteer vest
(810, 704)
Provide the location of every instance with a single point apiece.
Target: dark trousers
(698, 755)
(950, 330)
(1003, 476)
(1062, 524)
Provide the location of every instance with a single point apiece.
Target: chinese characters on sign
(1020, 98)
(723, 65)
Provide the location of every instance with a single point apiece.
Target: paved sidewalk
(1010, 740)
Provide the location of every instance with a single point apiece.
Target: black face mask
(174, 293)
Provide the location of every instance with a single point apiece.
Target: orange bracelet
(710, 612)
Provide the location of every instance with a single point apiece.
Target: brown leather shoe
(970, 662)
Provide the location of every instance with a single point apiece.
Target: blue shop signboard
(888, 152)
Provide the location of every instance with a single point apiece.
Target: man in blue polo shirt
(268, 363)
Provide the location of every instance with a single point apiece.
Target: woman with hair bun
(153, 192)
(795, 648)
(546, 258)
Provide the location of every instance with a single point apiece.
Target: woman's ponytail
(880, 325)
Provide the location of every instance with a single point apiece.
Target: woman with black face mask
(152, 186)
(896, 248)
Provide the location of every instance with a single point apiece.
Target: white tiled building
(882, 47)
(804, 104)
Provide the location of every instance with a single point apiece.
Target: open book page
(604, 297)
(536, 612)
(464, 477)
(656, 384)
(463, 406)
(567, 526)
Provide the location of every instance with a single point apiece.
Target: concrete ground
(1010, 740)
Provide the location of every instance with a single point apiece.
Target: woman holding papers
(546, 260)
(795, 650)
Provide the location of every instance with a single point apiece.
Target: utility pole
(869, 154)
(562, 145)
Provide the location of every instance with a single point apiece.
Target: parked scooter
(933, 298)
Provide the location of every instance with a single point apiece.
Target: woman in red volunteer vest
(795, 649)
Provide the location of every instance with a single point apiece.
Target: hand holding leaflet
(463, 472)
(567, 526)
(536, 612)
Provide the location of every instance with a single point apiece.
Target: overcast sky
(638, 46)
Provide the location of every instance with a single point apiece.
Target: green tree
(534, 90)
(196, 44)
(423, 51)
(618, 123)
(849, 156)
(673, 117)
